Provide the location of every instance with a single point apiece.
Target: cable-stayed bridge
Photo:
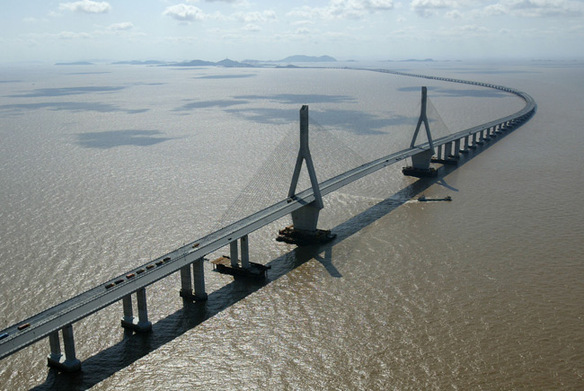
(304, 207)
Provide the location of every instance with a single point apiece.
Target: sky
(169, 30)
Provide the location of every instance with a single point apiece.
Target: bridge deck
(39, 326)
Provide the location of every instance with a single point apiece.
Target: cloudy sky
(45, 30)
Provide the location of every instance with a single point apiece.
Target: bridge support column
(305, 220)
(142, 324)
(244, 252)
(457, 149)
(421, 161)
(186, 285)
(199, 279)
(55, 345)
(234, 253)
(128, 312)
(479, 140)
(68, 362)
(466, 144)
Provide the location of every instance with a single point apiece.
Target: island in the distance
(287, 62)
(226, 63)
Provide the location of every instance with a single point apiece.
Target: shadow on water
(369, 124)
(300, 98)
(233, 76)
(65, 91)
(22, 108)
(209, 103)
(117, 138)
(135, 346)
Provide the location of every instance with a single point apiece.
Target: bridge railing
(61, 316)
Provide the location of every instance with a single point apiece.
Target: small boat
(424, 199)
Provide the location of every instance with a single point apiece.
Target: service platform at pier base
(255, 271)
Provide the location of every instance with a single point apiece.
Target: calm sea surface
(105, 167)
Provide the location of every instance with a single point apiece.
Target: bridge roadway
(17, 337)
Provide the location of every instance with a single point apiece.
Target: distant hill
(192, 63)
(301, 58)
(227, 63)
(75, 63)
(413, 60)
(148, 62)
(231, 64)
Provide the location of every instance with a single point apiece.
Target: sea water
(105, 167)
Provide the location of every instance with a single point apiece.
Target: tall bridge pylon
(421, 161)
(305, 220)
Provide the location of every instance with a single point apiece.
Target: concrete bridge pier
(142, 324)
(456, 154)
(305, 220)
(198, 277)
(234, 253)
(199, 280)
(479, 139)
(445, 155)
(67, 362)
(466, 145)
(421, 161)
(474, 141)
(448, 150)
(452, 152)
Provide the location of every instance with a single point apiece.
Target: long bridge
(304, 207)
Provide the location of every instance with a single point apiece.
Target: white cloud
(252, 27)
(86, 6)
(378, 5)
(535, 8)
(124, 26)
(72, 35)
(302, 23)
(495, 9)
(454, 14)
(471, 28)
(343, 9)
(430, 7)
(184, 13)
(256, 16)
